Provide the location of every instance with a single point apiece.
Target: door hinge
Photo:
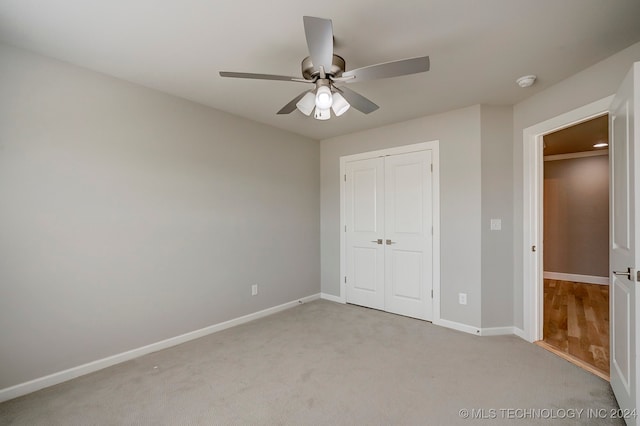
(432, 230)
(432, 293)
(533, 248)
(345, 228)
(431, 167)
(345, 279)
(345, 178)
(638, 276)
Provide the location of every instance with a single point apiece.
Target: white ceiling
(477, 48)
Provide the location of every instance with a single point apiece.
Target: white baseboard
(71, 373)
(332, 298)
(589, 279)
(502, 331)
(519, 332)
(457, 326)
(496, 331)
(488, 331)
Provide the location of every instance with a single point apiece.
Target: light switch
(496, 224)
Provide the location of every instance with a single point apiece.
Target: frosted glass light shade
(340, 104)
(322, 114)
(307, 103)
(323, 97)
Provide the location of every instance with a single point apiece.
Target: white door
(364, 213)
(389, 218)
(408, 234)
(624, 144)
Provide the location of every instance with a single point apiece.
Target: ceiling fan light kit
(340, 104)
(324, 69)
(322, 114)
(324, 99)
(307, 103)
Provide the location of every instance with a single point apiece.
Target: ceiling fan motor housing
(310, 73)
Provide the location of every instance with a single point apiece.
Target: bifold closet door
(388, 214)
(364, 203)
(408, 234)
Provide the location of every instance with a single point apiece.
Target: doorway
(390, 230)
(532, 238)
(576, 244)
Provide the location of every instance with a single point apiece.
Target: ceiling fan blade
(319, 33)
(358, 101)
(258, 76)
(291, 106)
(389, 69)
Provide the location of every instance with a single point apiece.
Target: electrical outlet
(462, 298)
(254, 289)
(496, 224)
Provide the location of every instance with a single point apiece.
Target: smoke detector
(526, 80)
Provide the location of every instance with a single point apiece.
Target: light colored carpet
(324, 363)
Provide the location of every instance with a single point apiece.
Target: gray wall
(129, 216)
(497, 203)
(460, 201)
(576, 216)
(592, 84)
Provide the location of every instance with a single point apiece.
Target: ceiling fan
(324, 69)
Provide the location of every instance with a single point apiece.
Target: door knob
(626, 274)
(378, 241)
(389, 242)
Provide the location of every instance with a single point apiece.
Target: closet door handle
(378, 241)
(626, 274)
(389, 242)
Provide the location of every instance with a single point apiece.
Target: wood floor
(576, 321)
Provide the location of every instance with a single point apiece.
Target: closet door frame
(433, 146)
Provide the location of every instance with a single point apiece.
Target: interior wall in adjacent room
(576, 216)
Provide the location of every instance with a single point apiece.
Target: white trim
(502, 331)
(434, 146)
(532, 209)
(489, 331)
(458, 326)
(573, 155)
(332, 298)
(588, 279)
(71, 373)
(497, 331)
(404, 149)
